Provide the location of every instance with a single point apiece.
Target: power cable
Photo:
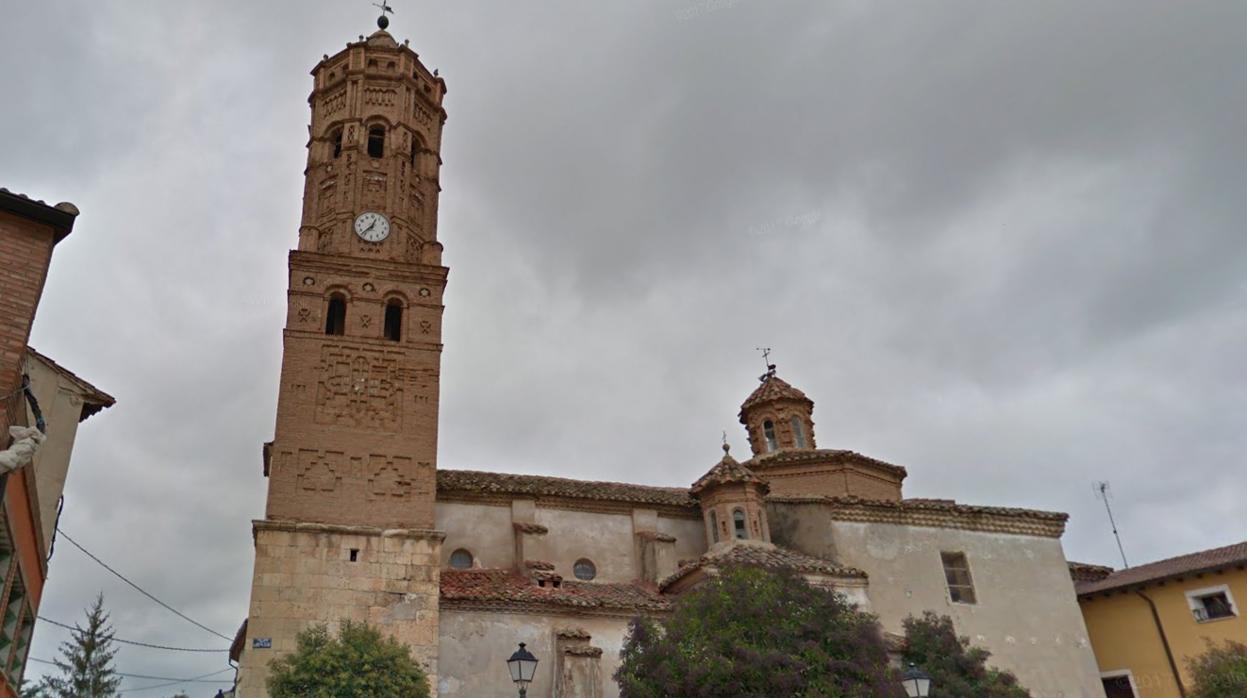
(140, 589)
(134, 642)
(194, 679)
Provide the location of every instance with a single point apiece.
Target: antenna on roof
(1102, 492)
(766, 357)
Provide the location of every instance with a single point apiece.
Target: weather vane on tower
(383, 21)
(766, 357)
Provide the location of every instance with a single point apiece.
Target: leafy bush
(358, 663)
(753, 633)
(957, 670)
(1220, 672)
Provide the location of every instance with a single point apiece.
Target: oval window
(461, 559)
(584, 569)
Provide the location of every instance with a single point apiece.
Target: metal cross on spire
(766, 357)
(383, 21)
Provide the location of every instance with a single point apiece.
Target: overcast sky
(999, 243)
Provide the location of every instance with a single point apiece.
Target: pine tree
(85, 661)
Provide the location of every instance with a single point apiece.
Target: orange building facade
(1146, 623)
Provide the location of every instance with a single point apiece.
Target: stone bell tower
(348, 531)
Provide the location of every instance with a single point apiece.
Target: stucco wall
(475, 646)
(690, 536)
(608, 539)
(482, 529)
(1125, 637)
(61, 403)
(1026, 613)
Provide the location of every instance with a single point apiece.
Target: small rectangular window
(1118, 686)
(354, 554)
(1212, 603)
(957, 574)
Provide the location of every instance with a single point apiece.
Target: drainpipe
(1164, 641)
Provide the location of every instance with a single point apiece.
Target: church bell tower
(348, 531)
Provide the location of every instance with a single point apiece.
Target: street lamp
(522, 665)
(916, 682)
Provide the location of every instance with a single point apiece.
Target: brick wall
(25, 251)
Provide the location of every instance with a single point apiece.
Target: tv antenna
(1102, 492)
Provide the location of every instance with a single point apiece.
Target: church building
(461, 566)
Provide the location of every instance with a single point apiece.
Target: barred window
(768, 431)
(738, 517)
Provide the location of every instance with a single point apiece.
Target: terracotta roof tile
(1086, 572)
(759, 554)
(788, 456)
(509, 589)
(726, 472)
(1203, 561)
(940, 514)
(773, 388)
(93, 399)
(478, 482)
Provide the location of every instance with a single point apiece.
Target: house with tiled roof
(362, 523)
(1147, 622)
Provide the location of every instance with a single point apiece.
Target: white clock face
(372, 227)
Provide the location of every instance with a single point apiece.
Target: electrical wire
(134, 642)
(140, 589)
(194, 679)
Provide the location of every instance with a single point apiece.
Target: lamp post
(523, 666)
(917, 682)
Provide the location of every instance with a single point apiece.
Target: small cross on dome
(383, 21)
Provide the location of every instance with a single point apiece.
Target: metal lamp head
(522, 665)
(917, 682)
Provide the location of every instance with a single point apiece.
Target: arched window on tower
(394, 320)
(798, 434)
(335, 315)
(415, 152)
(376, 141)
(335, 138)
(714, 526)
(768, 431)
(738, 517)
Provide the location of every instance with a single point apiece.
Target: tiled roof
(760, 554)
(60, 216)
(725, 472)
(939, 513)
(790, 456)
(477, 482)
(1203, 561)
(1086, 572)
(93, 399)
(509, 590)
(773, 388)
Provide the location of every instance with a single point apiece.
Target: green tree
(358, 663)
(957, 669)
(1220, 672)
(85, 662)
(753, 633)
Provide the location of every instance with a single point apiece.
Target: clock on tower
(352, 465)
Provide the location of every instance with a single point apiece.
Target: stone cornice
(258, 525)
(938, 514)
(821, 457)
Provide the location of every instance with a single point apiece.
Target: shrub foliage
(1220, 672)
(956, 668)
(358, 663)
(752, 633)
